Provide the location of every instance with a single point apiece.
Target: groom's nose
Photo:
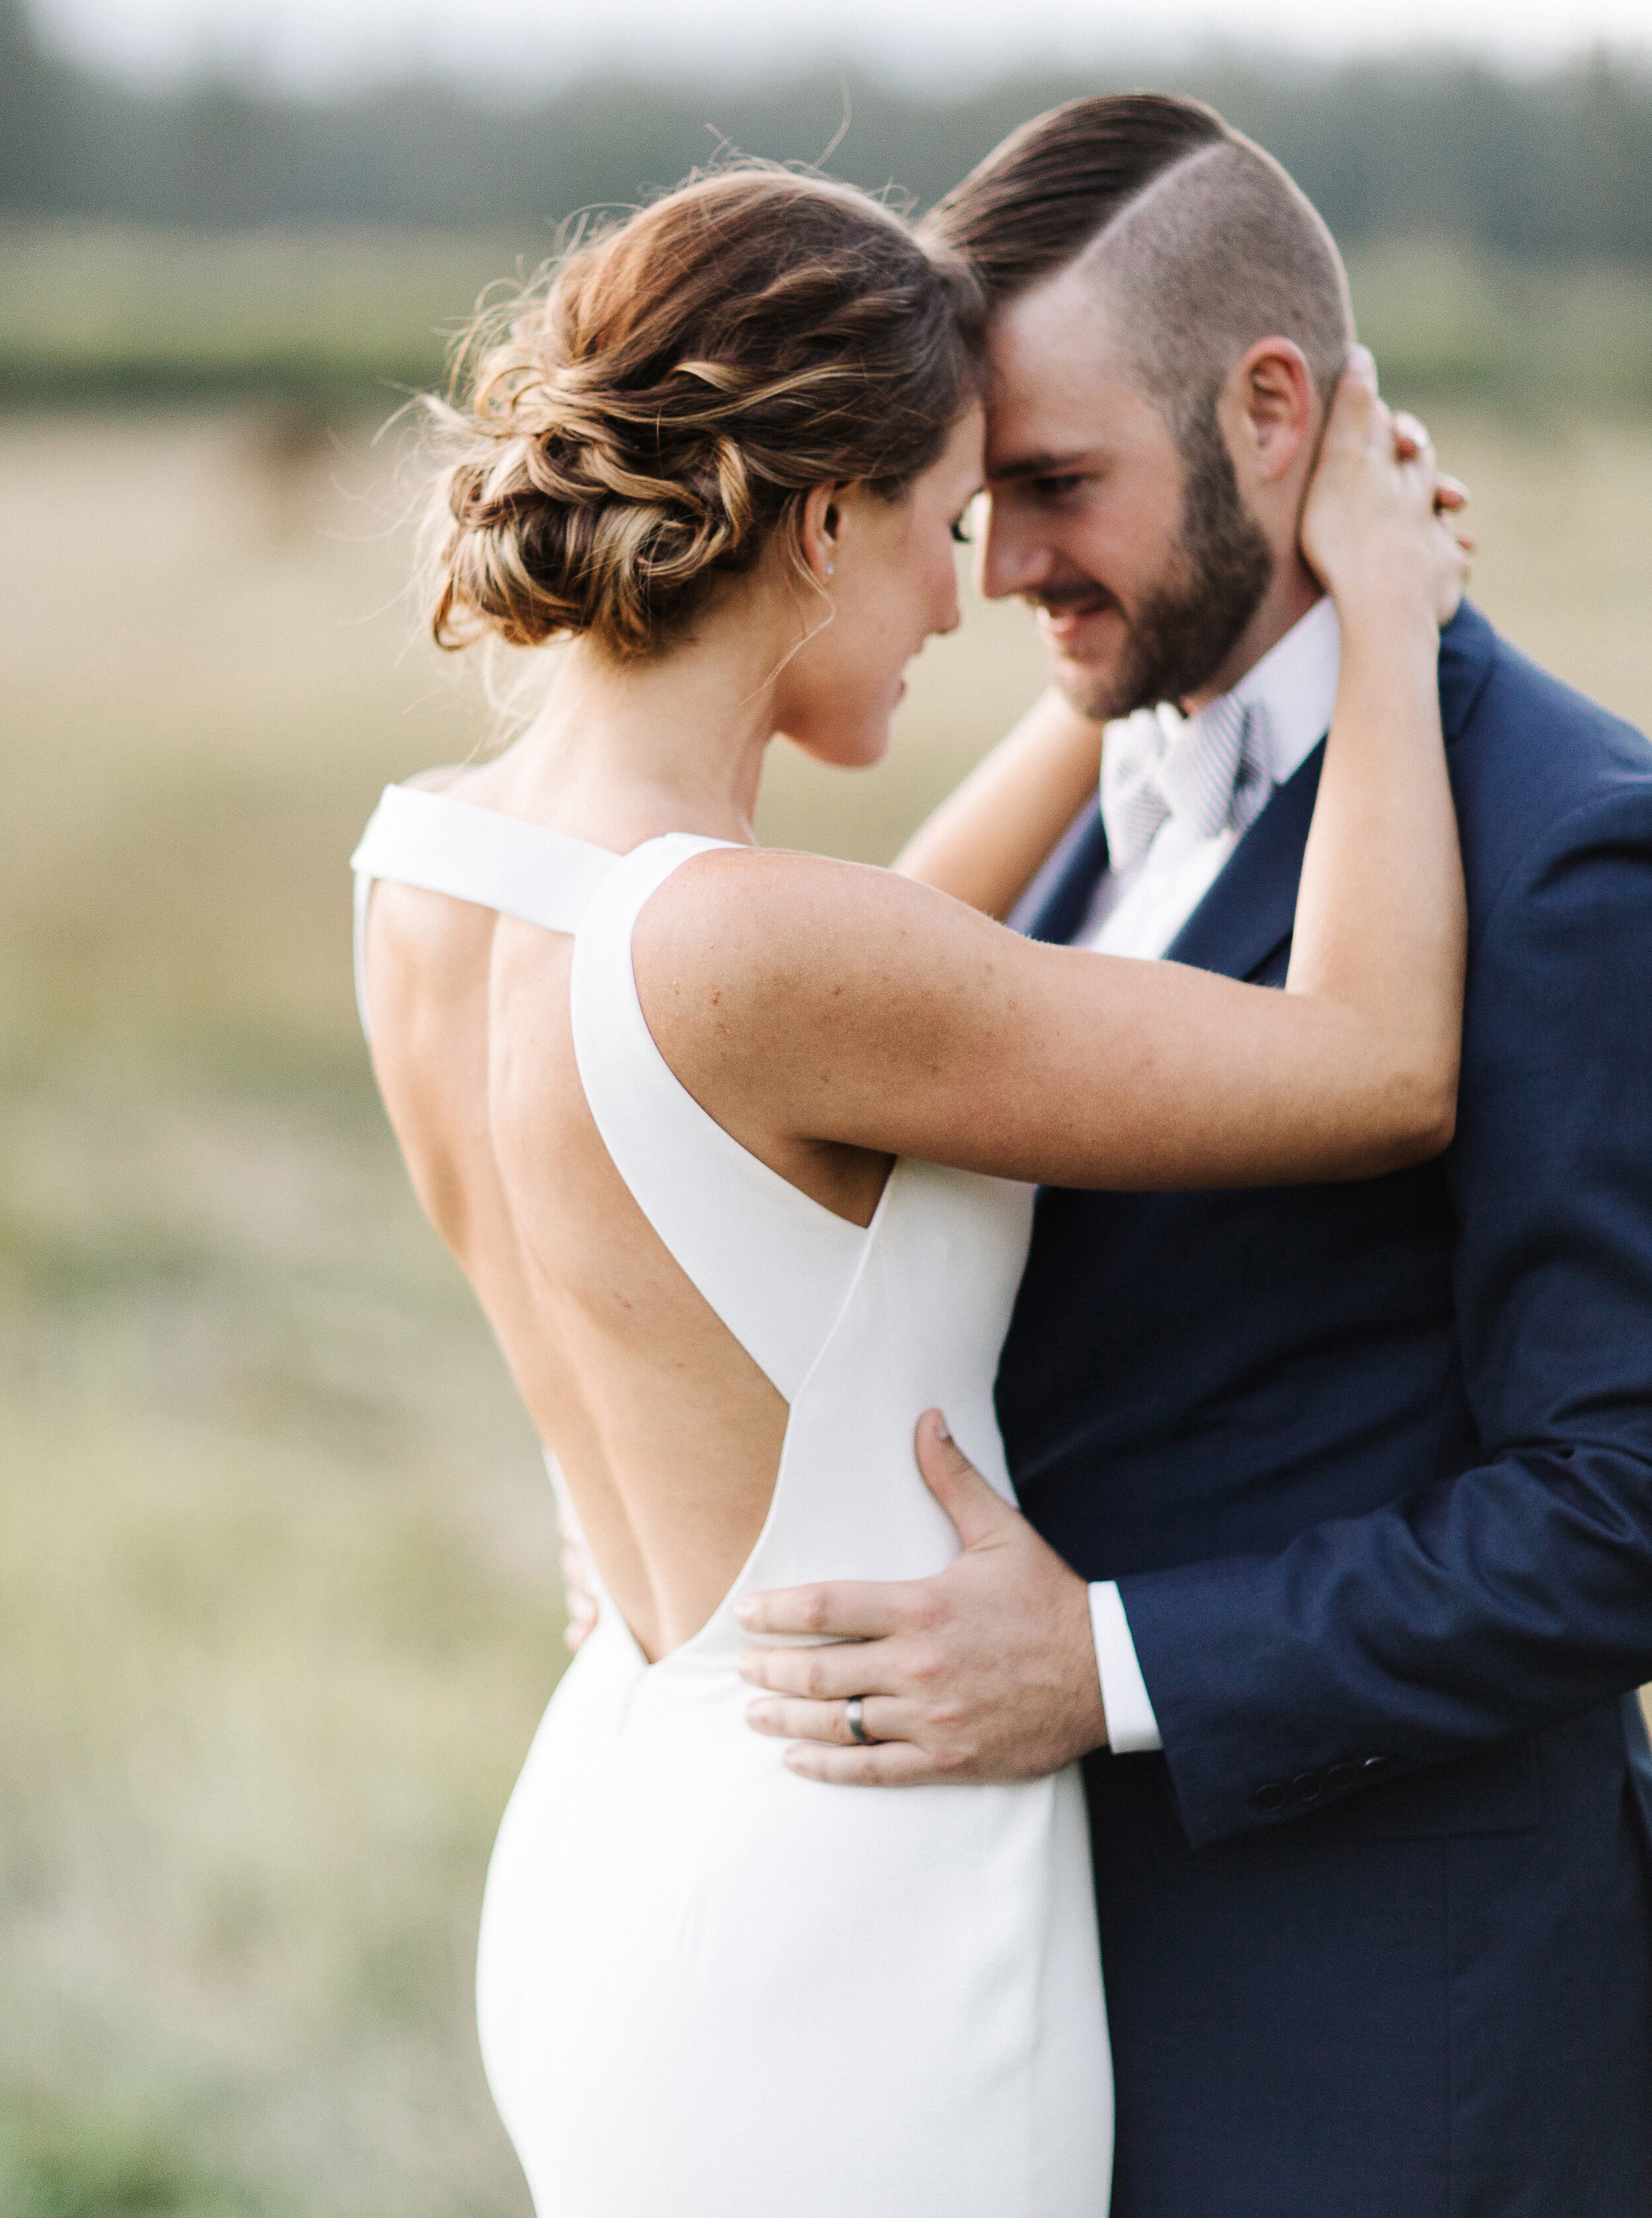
(1012, 559)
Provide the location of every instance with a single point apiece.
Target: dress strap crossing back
(775, 1265)
(525, 870)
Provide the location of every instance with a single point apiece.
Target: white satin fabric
(707, 1988)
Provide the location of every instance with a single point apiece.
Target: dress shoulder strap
(446, 846)
(775, 1265)
(481, 855)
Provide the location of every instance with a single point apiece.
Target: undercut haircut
(1198, 238)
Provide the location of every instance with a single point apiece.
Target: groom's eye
(1057, 488)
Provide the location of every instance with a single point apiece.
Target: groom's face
(1140, 556)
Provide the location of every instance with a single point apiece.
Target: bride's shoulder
(745, 939)
(769, 904)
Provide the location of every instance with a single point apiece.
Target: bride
(737, 1147)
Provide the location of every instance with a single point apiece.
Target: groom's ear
(1269, 412)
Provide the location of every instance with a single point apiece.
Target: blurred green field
(91, 309)
(278, 1604)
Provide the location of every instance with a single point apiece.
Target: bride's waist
(626, 1737)
(702, 1674)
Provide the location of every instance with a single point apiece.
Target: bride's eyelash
(960, 531)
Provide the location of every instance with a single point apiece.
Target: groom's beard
(1184, 630)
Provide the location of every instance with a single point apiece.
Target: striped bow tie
(1206, 771)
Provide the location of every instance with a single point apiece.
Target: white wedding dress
(709, 1988)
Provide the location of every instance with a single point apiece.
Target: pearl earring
(831, 569)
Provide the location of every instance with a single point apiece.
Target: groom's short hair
(1199, 236)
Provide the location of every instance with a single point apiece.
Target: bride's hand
(1378, 514)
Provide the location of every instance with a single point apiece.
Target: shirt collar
(1294, 686)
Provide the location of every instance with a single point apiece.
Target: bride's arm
(811, 1002)
(989, 838)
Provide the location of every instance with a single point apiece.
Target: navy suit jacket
(1372, 1464)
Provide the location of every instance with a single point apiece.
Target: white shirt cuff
(1132, 1728)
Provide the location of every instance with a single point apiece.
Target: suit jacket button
(1375, 1762)
(1341, 1776)
(1270, 1797)
(1308, 1786)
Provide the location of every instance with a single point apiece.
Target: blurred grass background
(278, 1600)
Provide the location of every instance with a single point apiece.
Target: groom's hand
(986, 1671)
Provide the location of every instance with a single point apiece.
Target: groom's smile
(1065, 614)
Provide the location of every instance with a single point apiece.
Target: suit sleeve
(1475, 1609)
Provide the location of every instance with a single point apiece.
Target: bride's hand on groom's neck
(1378, 524)
(985, 1672)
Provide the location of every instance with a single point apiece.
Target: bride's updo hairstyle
(644, 420)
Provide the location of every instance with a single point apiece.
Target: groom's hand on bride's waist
(986, 1671)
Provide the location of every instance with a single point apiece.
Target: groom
(1337, 1557)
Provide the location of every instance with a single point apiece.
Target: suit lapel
(1056, 903)
(1248, 913)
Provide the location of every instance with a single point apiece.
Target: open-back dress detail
(708, 1988)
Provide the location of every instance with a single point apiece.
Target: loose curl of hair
(640, 421)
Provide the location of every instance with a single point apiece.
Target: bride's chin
(860, 745)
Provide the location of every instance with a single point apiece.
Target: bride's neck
(671, 742)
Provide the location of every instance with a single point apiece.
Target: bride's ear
(818, 528)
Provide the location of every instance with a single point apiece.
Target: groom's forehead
(1063, 387)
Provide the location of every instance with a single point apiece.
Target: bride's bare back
(667, 1432)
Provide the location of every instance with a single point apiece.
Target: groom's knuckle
(923, 1613)
(969, 1750)
(813, 1608)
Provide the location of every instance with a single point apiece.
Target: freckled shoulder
(756, 917)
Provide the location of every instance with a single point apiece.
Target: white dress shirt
(1290, 693)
